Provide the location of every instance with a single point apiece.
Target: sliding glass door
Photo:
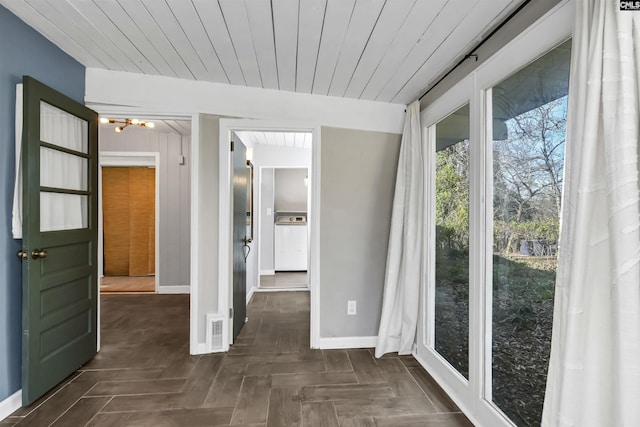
(451, 314)
(495, 161)
(528, 162)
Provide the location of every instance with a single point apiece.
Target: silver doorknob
(23, 255)
(38, 253)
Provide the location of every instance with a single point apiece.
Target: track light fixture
(126, 122)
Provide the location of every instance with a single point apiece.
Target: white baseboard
(11, 404)
(250, 294)
(174, 289)
(347, 342)
(199, 348)
(267, 272)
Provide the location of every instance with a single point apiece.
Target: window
(529, 120)
(495, 161)
(452, 240)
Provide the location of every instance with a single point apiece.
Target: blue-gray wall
(23, 51)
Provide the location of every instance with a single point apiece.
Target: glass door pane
(529, 127)
(64, 170)
(452, 240)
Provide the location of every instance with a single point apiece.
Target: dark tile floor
(144, 376)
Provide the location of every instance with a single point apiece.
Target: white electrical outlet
(351, 308)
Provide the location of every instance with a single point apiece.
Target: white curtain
(594, 370)
(57, 170)
(404, 259)
(16, 220)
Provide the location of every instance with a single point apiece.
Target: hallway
(144, 376)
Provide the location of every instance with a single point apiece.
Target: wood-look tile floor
(285, 280)
(122, 284)
(144, 376)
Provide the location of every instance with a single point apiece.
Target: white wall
(266, 158)
(357, 186)
(266, 220)
(205, 211)
(111, 92)
(290, 191)
(174, 210)
(117, 91)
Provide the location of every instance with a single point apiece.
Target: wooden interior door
(60, 235)
(128, 199)
(240, 246)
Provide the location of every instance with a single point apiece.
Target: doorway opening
(283, 253)
(144, 224)
(278, 154)
(129, 229)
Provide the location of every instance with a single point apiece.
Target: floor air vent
(215, 333)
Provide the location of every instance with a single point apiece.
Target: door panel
(59, 276)
(128, 195)
(240, 182)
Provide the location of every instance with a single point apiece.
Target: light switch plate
(351, 308)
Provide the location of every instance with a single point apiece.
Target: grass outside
(523, 289)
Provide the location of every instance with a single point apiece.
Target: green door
(240, 238)
(59, 253)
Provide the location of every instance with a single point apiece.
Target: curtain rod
(472, 53)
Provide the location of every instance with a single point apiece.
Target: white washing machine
(290, 243)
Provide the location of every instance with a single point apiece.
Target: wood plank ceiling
(383, 50)
(276, 139)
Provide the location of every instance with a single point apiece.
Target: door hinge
(231, 313)
(232, 145)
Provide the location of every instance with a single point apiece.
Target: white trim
(225, 270)
(129, 159)
(250, 294)
(194, 313)
(11, 404)
(347, 342)
(460, 403)
(267, 272)
(182, 289)
(200, 348)
(110, 91)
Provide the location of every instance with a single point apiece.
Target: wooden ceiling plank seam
(410, 33)
(120, 18)
(168, 24)
(78, 28)
(289, 139)
(187, 18)
(391, 20)
(261, 138)
(271, 137)
(475, 23)
(100, 19)
(310, 21)
(240, 32)
(366, 15)
(334, 30)
(214, 26)
(285, 26)
(139, 14)
(263, 42)
(233, 44)
(448, 20)
(109, 31)
(54, 34)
